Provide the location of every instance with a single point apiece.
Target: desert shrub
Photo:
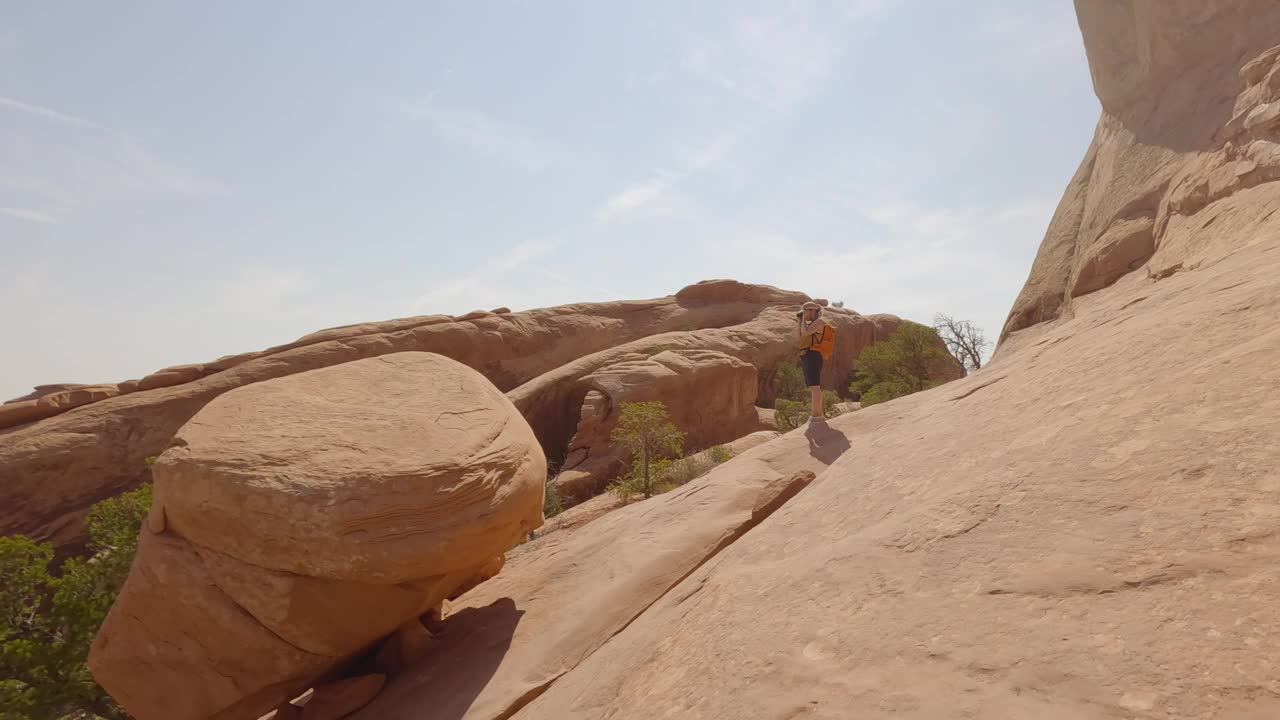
(719, 453)
(829, 402)
(552, 503)
(683, 470)
(48, 621)
(788, 382)
(791, 414)
(645, 430)
(658, 349)
(898, 366)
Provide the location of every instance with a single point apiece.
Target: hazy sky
(180, 181)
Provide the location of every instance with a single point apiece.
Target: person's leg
(812, 363)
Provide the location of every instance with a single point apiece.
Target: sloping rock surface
(563, 596)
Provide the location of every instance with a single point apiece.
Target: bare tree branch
(966, 341)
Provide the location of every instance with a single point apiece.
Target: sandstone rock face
(50, 400)
(41, 390)
(710, 396)
(552, 403)
(303, 519)
(563, 596)
(339, 700)
(1085, 528)
(52, 471)
(1189, 92)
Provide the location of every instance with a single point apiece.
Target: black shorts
(811, 361)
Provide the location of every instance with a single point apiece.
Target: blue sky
(180, 181)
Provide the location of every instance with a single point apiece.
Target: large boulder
(709, 396)
(298, 521)
(53, 470)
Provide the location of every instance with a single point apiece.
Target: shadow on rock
(471, 648)
(825, 442)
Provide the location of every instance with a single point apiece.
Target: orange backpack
(824, 342)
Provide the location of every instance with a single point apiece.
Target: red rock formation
(299, 521)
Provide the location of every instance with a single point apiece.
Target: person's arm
(812, 327)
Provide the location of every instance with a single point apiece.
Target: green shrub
(829, 402)
(658, 349)
(719, 453)
(788, 382)
(898, 366)
(645, 430)
(47, 621)
(552, 503)
(791, 414)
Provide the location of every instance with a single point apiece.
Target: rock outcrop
(1189, 94)
(298, 521)
(553, 401)
(710, 396)
(53, 470)
(49, 400)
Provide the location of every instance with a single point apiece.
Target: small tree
(47, 622)
(645, 430)
(898, 366)
(965, 341)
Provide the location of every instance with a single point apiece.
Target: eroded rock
(306, 518)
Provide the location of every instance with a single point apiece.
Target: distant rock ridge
(81, 444)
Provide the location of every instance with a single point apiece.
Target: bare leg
(815, 400)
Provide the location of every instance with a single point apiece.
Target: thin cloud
(57, 163)
(33, 216)
(634, 197)
(777, 60)
(486, 134)
(50, 114)
(260, 289)
(656, 192)
(495, 280)
(862, 9)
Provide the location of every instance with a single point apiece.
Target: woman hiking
(816, 340)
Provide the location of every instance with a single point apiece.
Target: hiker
(816, 340)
